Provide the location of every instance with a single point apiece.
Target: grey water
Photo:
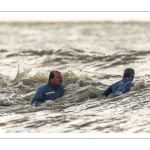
(90, 56)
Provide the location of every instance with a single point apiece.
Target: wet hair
(129, 73)
(51, 75)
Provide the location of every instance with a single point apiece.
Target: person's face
(57, 80)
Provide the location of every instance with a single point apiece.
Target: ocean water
(90, 56)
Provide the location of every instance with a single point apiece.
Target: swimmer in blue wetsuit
(123, 86)
(49, 91)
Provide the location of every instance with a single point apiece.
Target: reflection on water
(91, 56)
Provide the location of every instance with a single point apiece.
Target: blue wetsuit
(47, 92)
(120, 87)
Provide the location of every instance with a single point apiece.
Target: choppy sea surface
(91, 56)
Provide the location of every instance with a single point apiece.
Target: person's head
(129, 73)
(55, 78)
